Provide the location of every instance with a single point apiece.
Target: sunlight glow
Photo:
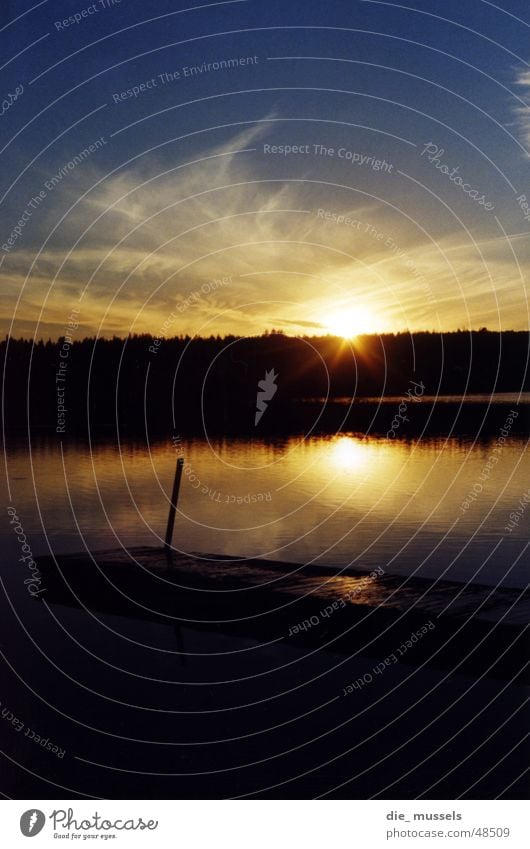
(350, 323)
(349, 453)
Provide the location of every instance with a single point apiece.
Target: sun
(350, 322)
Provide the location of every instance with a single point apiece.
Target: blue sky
(181, 191)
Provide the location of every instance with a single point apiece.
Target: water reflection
(333, 500)
(349, 454)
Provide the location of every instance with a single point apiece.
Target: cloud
(523, 112)
(147, 238)
(286, 323)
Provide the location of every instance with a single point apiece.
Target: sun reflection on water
(349, 454)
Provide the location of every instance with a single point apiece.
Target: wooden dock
(330, 609)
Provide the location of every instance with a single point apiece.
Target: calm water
(339, 501)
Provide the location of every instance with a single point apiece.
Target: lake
(432, 508)
(226, 710)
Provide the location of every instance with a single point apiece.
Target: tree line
(186, 384)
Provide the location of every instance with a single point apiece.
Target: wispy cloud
(147, 237)
(523, 112)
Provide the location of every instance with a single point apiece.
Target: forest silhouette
(161, 386)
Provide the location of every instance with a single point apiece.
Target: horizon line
(8, 337)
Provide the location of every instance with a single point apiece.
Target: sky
(350, 166)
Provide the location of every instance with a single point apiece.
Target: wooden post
(173, 504)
